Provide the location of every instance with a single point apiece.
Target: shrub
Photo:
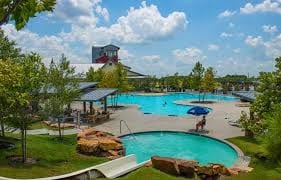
(272, 138)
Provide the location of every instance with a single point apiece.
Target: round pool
(179, 145)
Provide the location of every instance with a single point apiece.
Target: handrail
(131, 133)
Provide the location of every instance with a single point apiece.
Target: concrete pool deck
(217, 126)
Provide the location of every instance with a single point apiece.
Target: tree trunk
(59, 126)
(25, 149)
(22, 145)
(2, 129)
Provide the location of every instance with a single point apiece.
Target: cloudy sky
(160, 37)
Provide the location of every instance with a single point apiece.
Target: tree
(272, 138)
(10, 77)
(20, 11)
(208, 83)
(117, 78)
(30, 82)
(196, 77)
(269, 91)
(94, 76)
(63, 89)
(8, 50)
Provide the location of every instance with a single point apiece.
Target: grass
(262, 169)
(54, 158)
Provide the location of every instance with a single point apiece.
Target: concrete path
(217, 126)
(49, 132)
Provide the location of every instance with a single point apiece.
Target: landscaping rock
(167, 165)
(148, 164)
(188, 168)
(205, 170)
(109, 144)
(98, 143)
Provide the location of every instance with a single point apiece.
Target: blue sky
(160, 37)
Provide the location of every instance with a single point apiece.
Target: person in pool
(201, 123)
(165, 103)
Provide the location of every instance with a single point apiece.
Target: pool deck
(217, 126)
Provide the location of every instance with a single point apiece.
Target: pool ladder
(124, 122)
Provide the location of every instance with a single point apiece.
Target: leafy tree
(8, 50)
(117, 78)
(94, 76)
(63, 89)
(10, 78)
(269, 91)
(31, 81)
(272, 137)
(208, 83)
(20, 11)
(197, 76)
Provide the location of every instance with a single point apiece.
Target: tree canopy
(20, 11)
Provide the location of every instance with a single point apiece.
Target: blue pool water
(179, 145)
(156, 104)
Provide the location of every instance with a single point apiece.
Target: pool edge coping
(239, 152)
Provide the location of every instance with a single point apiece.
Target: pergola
(99, 94)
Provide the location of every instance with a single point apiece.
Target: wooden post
(91, 107)
(84, 107)
(78, 119)
(105, 104)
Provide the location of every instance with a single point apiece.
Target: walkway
(48, 132)
(217, 125)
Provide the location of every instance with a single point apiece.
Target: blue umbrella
(198, 111)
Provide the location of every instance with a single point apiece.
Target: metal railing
(130, 131)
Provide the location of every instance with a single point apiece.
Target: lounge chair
(234, 123)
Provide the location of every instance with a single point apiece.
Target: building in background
(103, 54)
(106, 58)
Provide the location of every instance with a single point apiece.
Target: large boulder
(205, 170)
(188, 168)
(109, 144)
(98, 143)
(164, 164)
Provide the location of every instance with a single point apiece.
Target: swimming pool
(179, 145)
(156, 104)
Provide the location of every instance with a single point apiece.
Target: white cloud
(151, 58)
(269, 28)
(226, 13)
(273, 47)
(213, 47)
(237, 50)
(80, 12)
(265, 6)
(249, 65)
(225, 35)
(143, 24)
(254, 41)
(47, 46)
(188, 55)
(231, 25)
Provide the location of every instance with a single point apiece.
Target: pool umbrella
(198, 111)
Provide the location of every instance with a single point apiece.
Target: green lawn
(54, 158)
(262, 169)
